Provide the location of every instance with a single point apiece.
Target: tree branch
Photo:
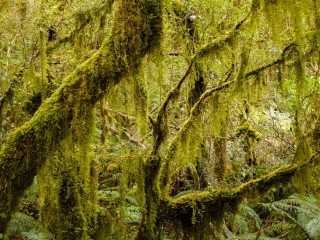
(159, 126)
(214, 203)
(127, 135)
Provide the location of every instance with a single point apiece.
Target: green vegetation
(154, 119)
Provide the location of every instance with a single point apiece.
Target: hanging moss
(28, 147)
(194, 210)
(43, 61)
(152, 199)
(140, 98)
(67, 183)
(306, 181)
(316, 137)
(184, 148)
(250, 137)
(197, 86)
(239, 86)
(5, 100)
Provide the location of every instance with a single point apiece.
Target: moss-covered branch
(159, 126)
(87, 18)
(28, 147)
(194, 210)
(212, 204)
(281, 59)
(196, 110)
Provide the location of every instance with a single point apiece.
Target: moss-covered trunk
(148, 227)
(220, 161)
(28, 147)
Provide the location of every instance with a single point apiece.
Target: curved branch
(215, 202)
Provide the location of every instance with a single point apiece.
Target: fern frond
(132, 200)
(313, 228)
(241, 224)
(111, 194)
(277, 229)
(251, 214)
(180, 194)
(27, 227)
(133, 215)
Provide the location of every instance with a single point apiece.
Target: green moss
(250, 137)
(43, 63)
(316, 137)
(28, 147)
(220, 162)
(140, 98)
(67, 184)
(152, 198)
(193, 211)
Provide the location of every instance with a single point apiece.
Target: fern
(110, 194)
(131, 200)
(27, 227)
(302, 212)
(180, 194)
(313, 228)
(277, 229)
(246, 221)
(302, 215)
(133, 215)
(251, 214)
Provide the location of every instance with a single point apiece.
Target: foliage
(26, 227)
(154, 119)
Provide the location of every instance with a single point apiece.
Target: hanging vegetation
(154, 119)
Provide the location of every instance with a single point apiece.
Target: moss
(43, 63)
(152, 198)
(140, 98)
(28, 147)
(194, 210)
(250, 138)
(316, 137)
(68, 184)
(220, 163)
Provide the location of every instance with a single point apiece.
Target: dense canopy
(158, 119)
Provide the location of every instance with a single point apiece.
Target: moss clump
(220, 163)
(250, 138)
